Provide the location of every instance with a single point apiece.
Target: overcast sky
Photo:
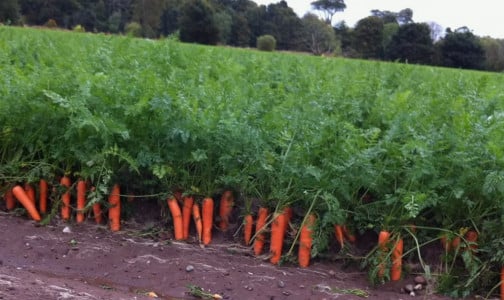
(484, 17)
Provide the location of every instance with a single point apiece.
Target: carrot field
(415, 151)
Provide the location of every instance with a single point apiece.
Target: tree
(436, 31)
(284, 24)
(494, 53)
(412, 43)
(240, 31)
(9, 11)
(197, 23)
(318, 36)
(329, 8)
(404, 16)
(368, 37)
(148, 14)
(461, 49)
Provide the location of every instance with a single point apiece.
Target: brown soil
(43, 262)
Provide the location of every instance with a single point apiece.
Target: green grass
(371, 144)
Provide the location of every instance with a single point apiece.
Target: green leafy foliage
(368, 144)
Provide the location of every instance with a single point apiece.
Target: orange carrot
(395, 271)
(207, 208)
(186, 216)
(348, 235)
(10, 202)
(114, 212)
(81, 200)
(338, 231)
(65, 199)
(445, 242)
(455, 244)
(277, 237)
(288, 212)
(502, 282)
(30, 192)
(177, 218)
(197, 220)
(383, 239)
(262, 215)
(97, 212)
(43, 196)
(248, 223)
(472, 237)
(225, 209)
(23, 198)
(306, 241)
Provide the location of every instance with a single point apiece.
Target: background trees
(381, 35)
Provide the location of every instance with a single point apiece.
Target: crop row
(371, 145)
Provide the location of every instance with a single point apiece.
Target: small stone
(418, 287)
(408, 288)
(332, 273)
(281, 284)
(412, 294)
(67, 230)
(286, 293)
(189, 268)
(25, 256)
(420, 280)
(301, 286)
(248, 288)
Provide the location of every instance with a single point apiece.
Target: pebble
(67, 230)
(281, 284)
(409, 288)
(412, 294)
(286, 293)
(420, 280)
(189, 268)
(248, 288)
(418, 287)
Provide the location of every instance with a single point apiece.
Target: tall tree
(494, 53)
(368, 37)
(329, 8)
(148, 14)
(412, 43)
(283, 23)
(197, 23)
(9, 11)
(461, 49)
(318, 36)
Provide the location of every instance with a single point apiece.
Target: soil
(90, 262)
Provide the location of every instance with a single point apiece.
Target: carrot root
(260, 226)
(25, 200)
(65, 198)
(306, 241)
(248, 223)
(43, 196)
(225, 209)
(277, 236)
(81, 200)
(197, 220)
(186, 216)
(115, 208)
(207, 219)
(177, 218)
(395, 272)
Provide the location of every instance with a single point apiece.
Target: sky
(483, 18)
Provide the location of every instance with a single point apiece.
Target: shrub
(266, 43)
(133, 29)
(79, 28)
(51, 23)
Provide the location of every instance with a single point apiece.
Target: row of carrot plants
(373, 146)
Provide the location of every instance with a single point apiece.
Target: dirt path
(43, 262)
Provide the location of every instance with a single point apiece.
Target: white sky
(483, 17)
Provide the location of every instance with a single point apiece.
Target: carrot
(455, 244)
(277, 236)
(502, 282)
(445, 242)
(30, 192)
(197, 220)
(81, 200)
(262, 215)
(225, 209)
(306, 241)
(248, 223)
(97, 212)
(348, 235)
(25, 200)
(383, 239)
(338, 231)
(395, 271)
(207, 219)
(177, 218)
(186, 216)
(65, 199)
(472, 237)
(43, 196)
(114, 212)
(10, 202)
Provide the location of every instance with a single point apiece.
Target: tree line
(383, 35)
